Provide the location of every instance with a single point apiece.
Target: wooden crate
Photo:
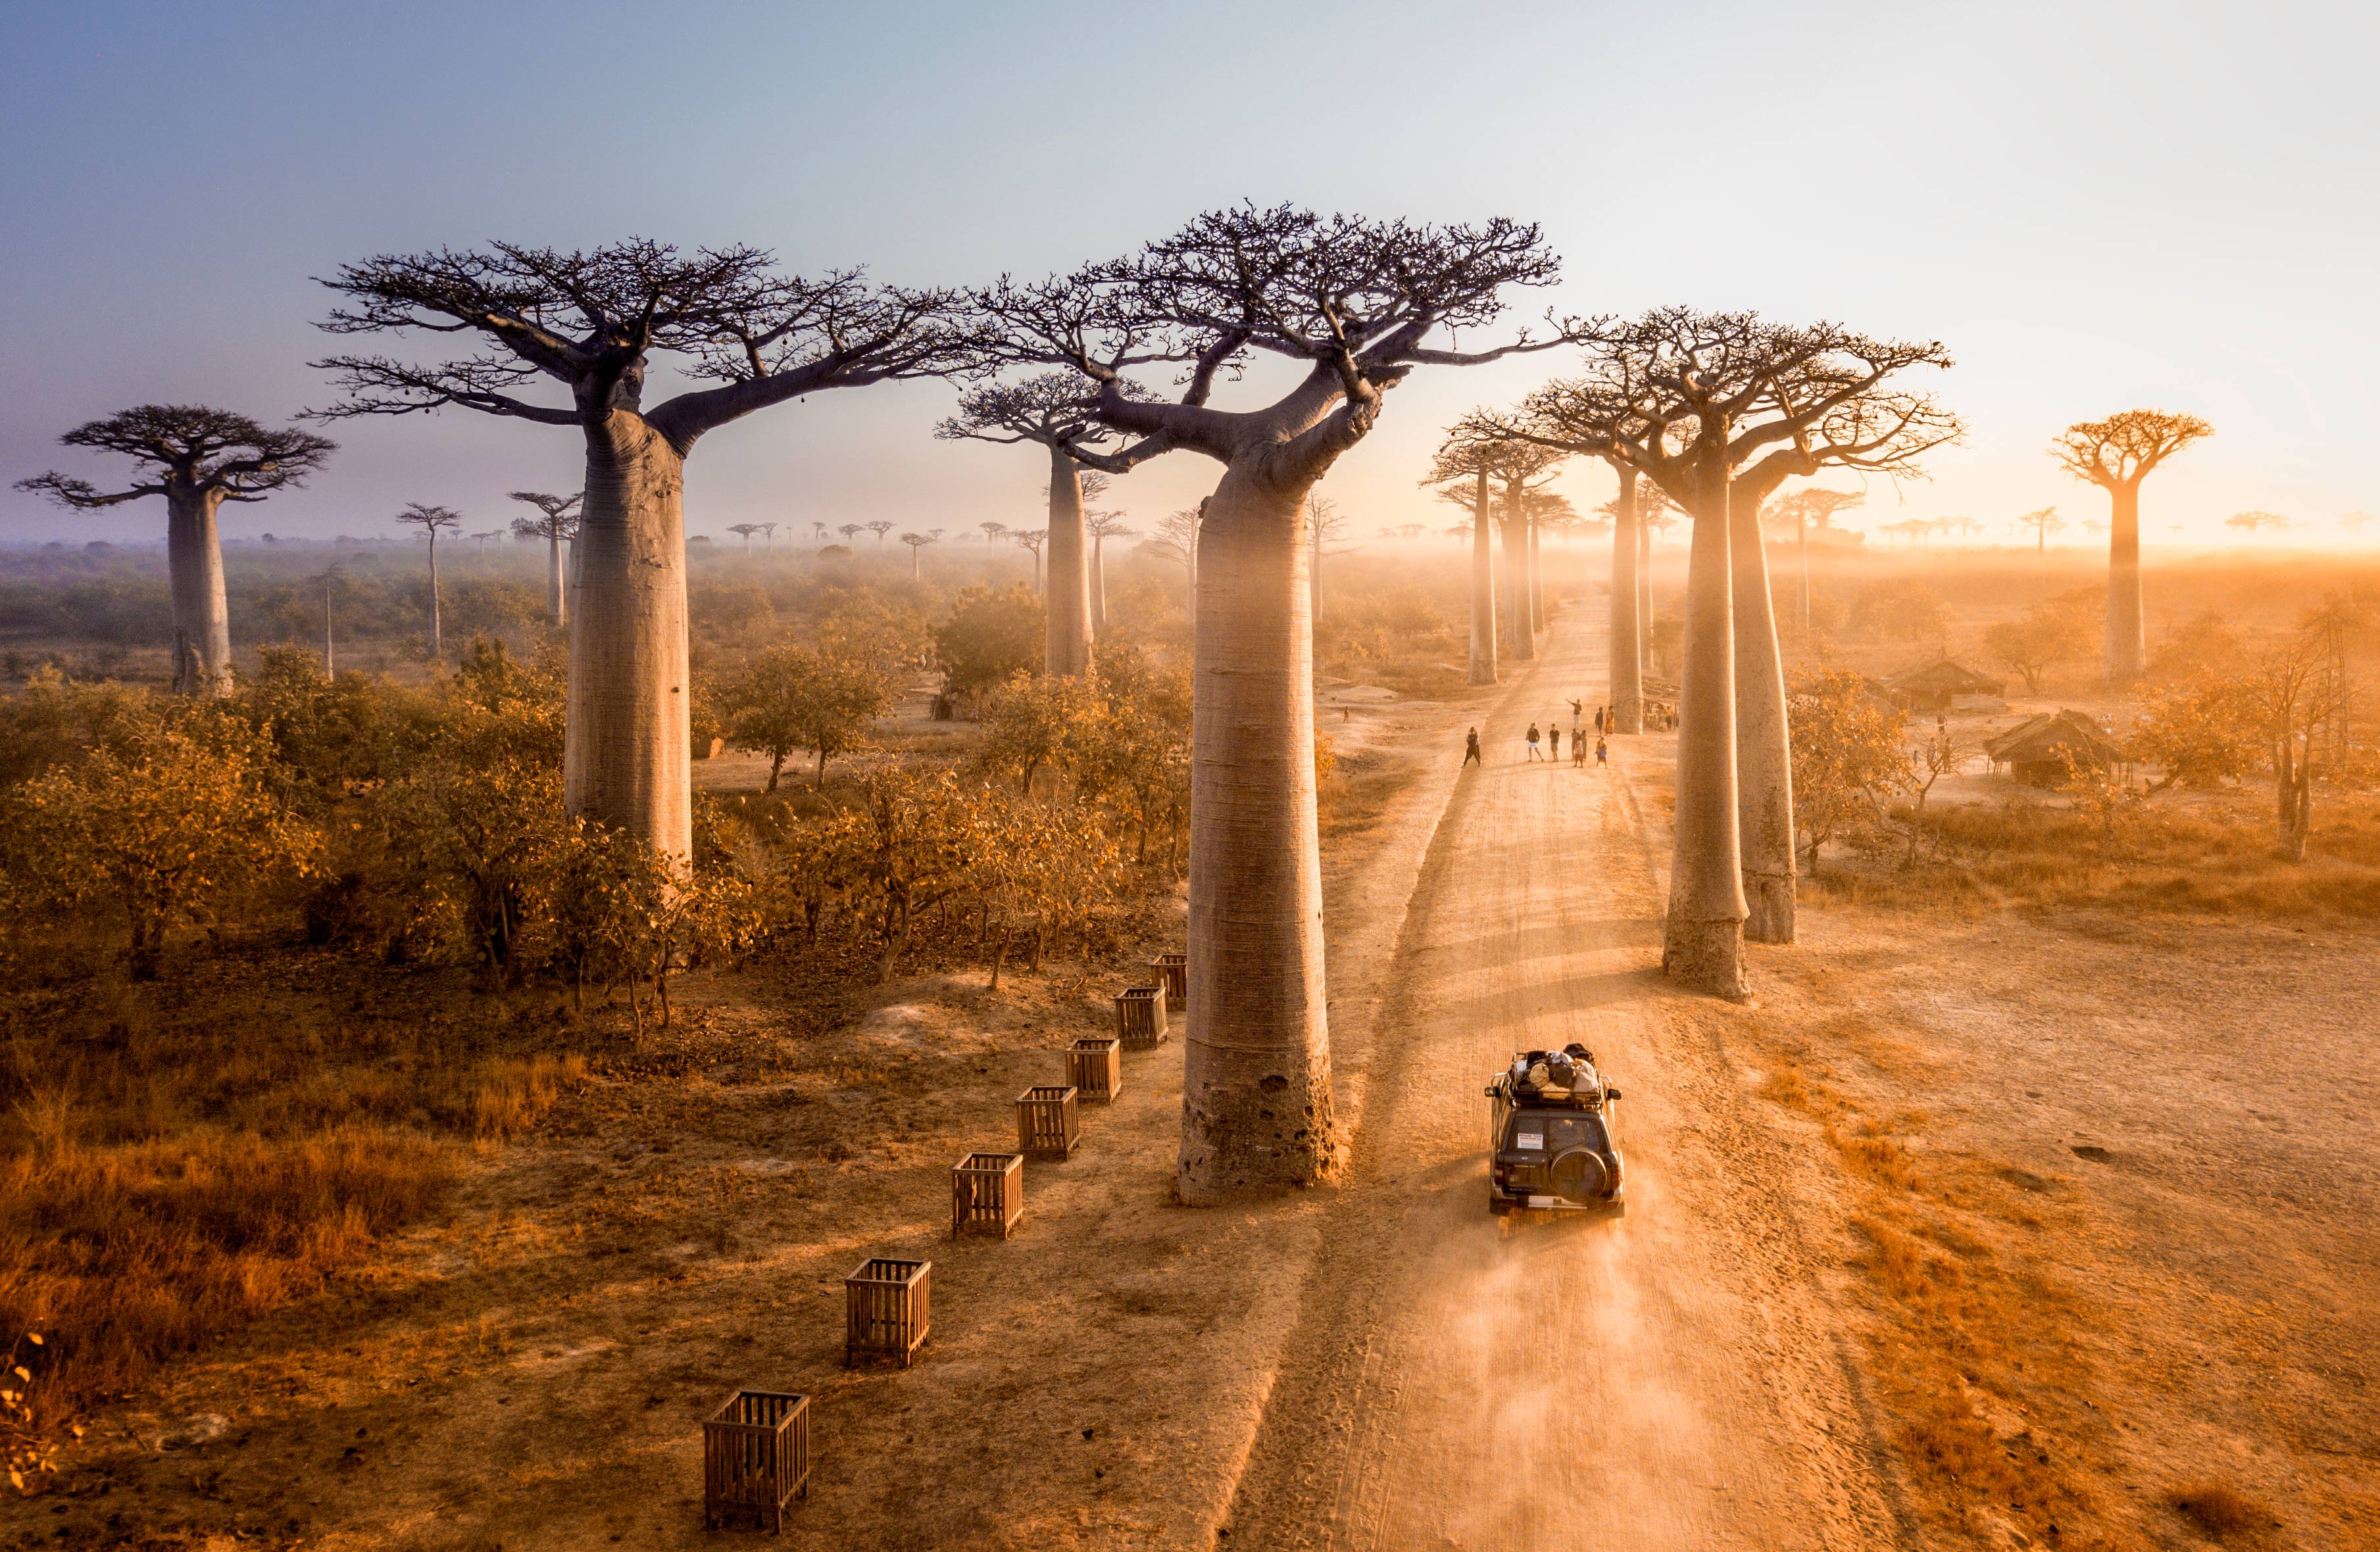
(988, 1193)
(1174, 973)
(1095, 1066)
(1048, 1126)
(1140, 1017)
(885, 1309)
(756, 1457)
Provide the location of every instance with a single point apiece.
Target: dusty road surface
(1669, 1379)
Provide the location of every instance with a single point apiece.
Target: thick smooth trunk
(1514, 608)
(1067, 611)
(557, 602)
(437, 642)
(1098, 586)
(626, 759)
(2127, 632)
(1256, 1108)
(195, 579)
(1703, 947)
(1483, 589)
(1627, 632)
(1314, 575)
(1764, 749)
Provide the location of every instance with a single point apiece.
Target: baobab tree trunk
(625, 759)
(1067, 613)
(1703, 947)
(437, 643)
(1536, 579)
(2127, 638)
(1257, 1107)
(1483, 587)
(1515, 614)
(1802, 530)
(195, 579)
(1764, 751)
(1627, 633)
(1314, 570)
(557, 602)
(1098, 586)
(1643, 587)
(330, 652)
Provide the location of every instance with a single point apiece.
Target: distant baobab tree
(2257, 522)
(746, 530)
(330, 579)
(1178, 531)
(818, 531)
(1354, 305)
(768, 535)
(1719, 409)
(1053, 410)
(1500, 619)
(481, 537)
(879, 527)
(1325, 522)
(993, 532)
(1963, 527)
(590, 322)
(1810, 507)
(197, 458)
(1031, 538)
(1102, 527)
(556, 522)
(2043, 522)
(2355, 522)
(850, 532)
(433, 521)
(916, 543)
(2115, 455)
(1410, 530)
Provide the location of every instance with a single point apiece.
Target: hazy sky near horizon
(2095, 205)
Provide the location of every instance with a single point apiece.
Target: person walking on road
(1598, 722)
(1556, 731)
(1577, 750)
(1535, 738)
(1602, 755)
(1471, 750)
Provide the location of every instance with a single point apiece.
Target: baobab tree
(480, 540)
(330, 579)
(818, 531)
(590, 322)
(1031, 538)
(768, 535)
(746, 530)
(2257, 522)
(556, 521)
(916, 543)
(879, 527)
(2115, 455)
(197, 458)
(1461, 471)
(1325, 522)
(1718, 409)
(1814, 508)
(433, 521)
(850, 532)
(1053, 410)
(993, 532)
(1102, 527)
(1178, 531)
(1355, 304)
(1518, 468)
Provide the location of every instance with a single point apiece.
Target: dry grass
(2216, 859)
(1972, 1357)
(179, 1159)
(2222, 1511)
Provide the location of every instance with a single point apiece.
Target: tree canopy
(206, 451)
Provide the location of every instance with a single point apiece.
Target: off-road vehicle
(1551, 1141)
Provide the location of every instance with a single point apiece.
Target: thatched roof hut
(1939, 683)
(2037, 750)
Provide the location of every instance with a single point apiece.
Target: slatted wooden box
(886, 1309)
(1095, 1066)
(987, 1192)
(756, 1457)
(1047, 1124)
(1140, 1017)
(1174, 973)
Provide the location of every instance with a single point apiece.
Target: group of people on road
(1537, 738)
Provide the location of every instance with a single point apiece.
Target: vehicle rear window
(1550, 1133)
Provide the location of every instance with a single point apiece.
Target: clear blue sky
(2095, 205)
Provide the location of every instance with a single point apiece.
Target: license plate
(1544, 1201)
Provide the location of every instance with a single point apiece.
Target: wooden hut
(2037, 750)
(1938, 684)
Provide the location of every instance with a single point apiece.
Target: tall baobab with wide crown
(2115, 455)
(556, 522)
(1031, 538)
(745, 532)
(1517, 467)
(1629, 625)
(590, 322)
(197, 458)
(916, 543)
(1355, 304)
(1102, 527)
(879, 527)
(1053, 410)
(1719, 409)
(433, 521)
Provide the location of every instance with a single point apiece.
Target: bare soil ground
(1989, 1230)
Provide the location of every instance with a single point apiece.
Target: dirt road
(1669, 1379)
